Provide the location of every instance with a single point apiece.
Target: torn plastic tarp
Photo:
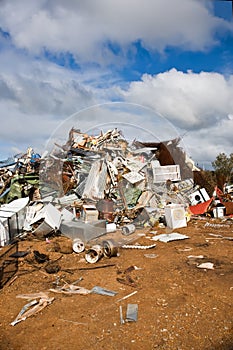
(200, 208)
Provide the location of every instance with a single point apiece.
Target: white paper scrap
(169, 237)
(207, 265)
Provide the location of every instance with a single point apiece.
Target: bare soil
(180, 306)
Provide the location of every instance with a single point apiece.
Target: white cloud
(84, 28)
(36, 95)
(198, 105)
(189, 100)
(205, 144)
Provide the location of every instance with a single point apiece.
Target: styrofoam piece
(206, 265)
(169, 237)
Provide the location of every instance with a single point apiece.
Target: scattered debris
(32, 308)
(128, 229)
(128, 296)
(95, 267)
(93, 254)
(196, 257)
(52, 267)
(102, 291)
(70, 289)
(136, 246)
(121, 315)
(40, 257)
(217, 226)
(74, 322)
(110, 248)
(206, 265)
(33, 296)
(126, 278)
(151, 256)
(19, 254)
(168, 237)
(132, 313)
(78, 245)
(200, 208)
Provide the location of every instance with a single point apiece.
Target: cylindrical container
(94, 254)
(110, 248)
(128, 229)
(78, 245)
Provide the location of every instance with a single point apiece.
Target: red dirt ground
(180, 306)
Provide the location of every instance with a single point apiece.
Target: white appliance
(12, 217)
(199, 196)
(175, 216)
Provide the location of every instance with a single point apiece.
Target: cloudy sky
(59, 57)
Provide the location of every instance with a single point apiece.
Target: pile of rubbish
(99, 193)
(94, 185)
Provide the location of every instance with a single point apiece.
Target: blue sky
(59, 57)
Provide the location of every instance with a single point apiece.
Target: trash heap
(118, 180)
(93, 185)
(19, 177)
